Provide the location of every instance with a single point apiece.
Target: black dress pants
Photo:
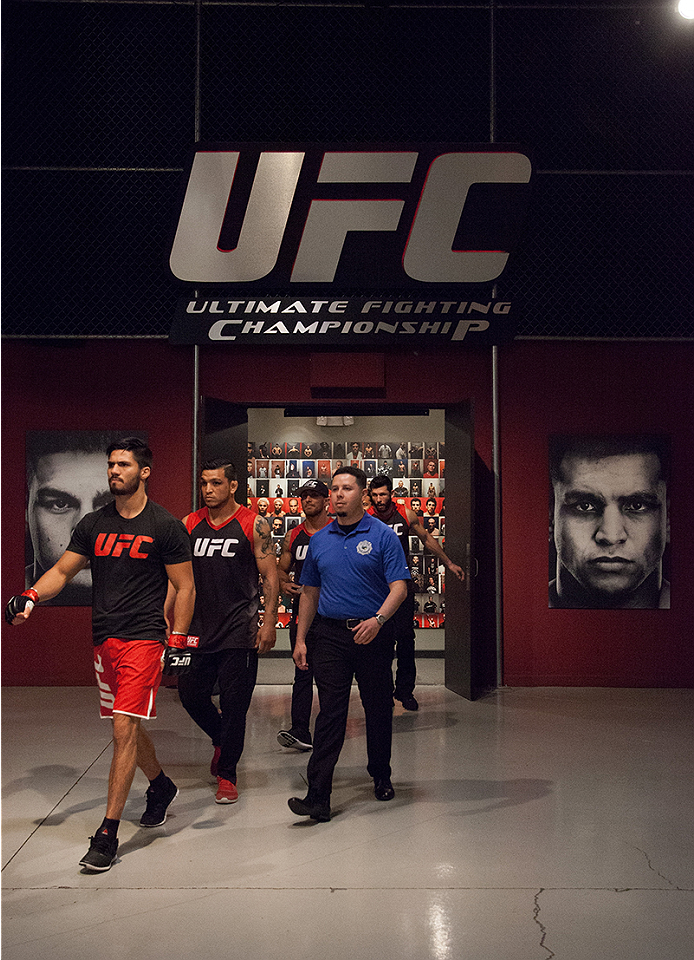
(337, 659)
(236, 671)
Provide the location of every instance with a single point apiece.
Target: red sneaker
(226, 791)
(215, 761)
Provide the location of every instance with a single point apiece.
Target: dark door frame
(224, 428)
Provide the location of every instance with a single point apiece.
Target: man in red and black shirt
(405, 522)
(136, 550)
(232, 546)
(314, 501)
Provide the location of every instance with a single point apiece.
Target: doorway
(429, 455)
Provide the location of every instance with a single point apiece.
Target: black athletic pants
(337, 659)
(236, 672)
(402, 624)
(302, 689)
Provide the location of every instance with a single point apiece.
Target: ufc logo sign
(106, 695)
(206, 547)
(301, 552)
(439, 214)
(115, 544)
(179, 659)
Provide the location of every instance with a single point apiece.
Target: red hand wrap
(178, 640)
(32, 594)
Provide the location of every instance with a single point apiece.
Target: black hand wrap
(18, 604)
(176, 661)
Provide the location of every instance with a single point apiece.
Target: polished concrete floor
(531, 824)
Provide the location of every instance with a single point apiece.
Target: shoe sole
(225, 800)
(287, 740)
(161, 822)
(90, 866)
(300, 810)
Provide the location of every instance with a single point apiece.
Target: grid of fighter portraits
(277, 469)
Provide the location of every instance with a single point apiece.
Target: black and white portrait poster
(609, 530)
(66, 479)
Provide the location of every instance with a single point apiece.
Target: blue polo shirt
(353, 570)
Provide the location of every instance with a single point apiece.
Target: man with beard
(136, 550)
(405, 523)
(232, 548)
(277, 528)
(354, 579)
(314, 500)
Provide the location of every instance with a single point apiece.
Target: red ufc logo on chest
(359, 216)
(115, 544)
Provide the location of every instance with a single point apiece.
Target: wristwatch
(380, 619)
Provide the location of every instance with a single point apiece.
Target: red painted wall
(92, 385)
(545, 388)
(596, 387)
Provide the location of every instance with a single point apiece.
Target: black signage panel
(351, 321)
(299, 236)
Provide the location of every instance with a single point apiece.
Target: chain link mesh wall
(102, 102)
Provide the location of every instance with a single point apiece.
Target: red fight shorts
(128, 673)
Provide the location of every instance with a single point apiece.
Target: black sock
(109, 827)
(159, 781)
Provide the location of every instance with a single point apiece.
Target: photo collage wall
(276, 470)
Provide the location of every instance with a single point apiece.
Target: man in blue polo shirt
(354, 579)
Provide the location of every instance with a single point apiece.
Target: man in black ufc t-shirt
(136, 550)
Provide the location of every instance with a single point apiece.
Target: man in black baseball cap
(314, 488)
(315, 495)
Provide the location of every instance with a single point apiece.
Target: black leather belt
(349, 623)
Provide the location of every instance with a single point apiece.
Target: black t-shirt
(298, 548)
(226, 581)
(397, 520)
(128, 562)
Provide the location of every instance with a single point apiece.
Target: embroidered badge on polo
(364, 547)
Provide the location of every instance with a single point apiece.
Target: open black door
(460, 510)
(225, 434)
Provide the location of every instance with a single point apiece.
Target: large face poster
(609, 522)
(66, 479)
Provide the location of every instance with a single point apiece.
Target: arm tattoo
(272, 601)
(262, 528)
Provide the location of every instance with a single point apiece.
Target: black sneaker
(294, 738)
(102, 853)
(409, 702)
(157, 803)
(310, 808)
